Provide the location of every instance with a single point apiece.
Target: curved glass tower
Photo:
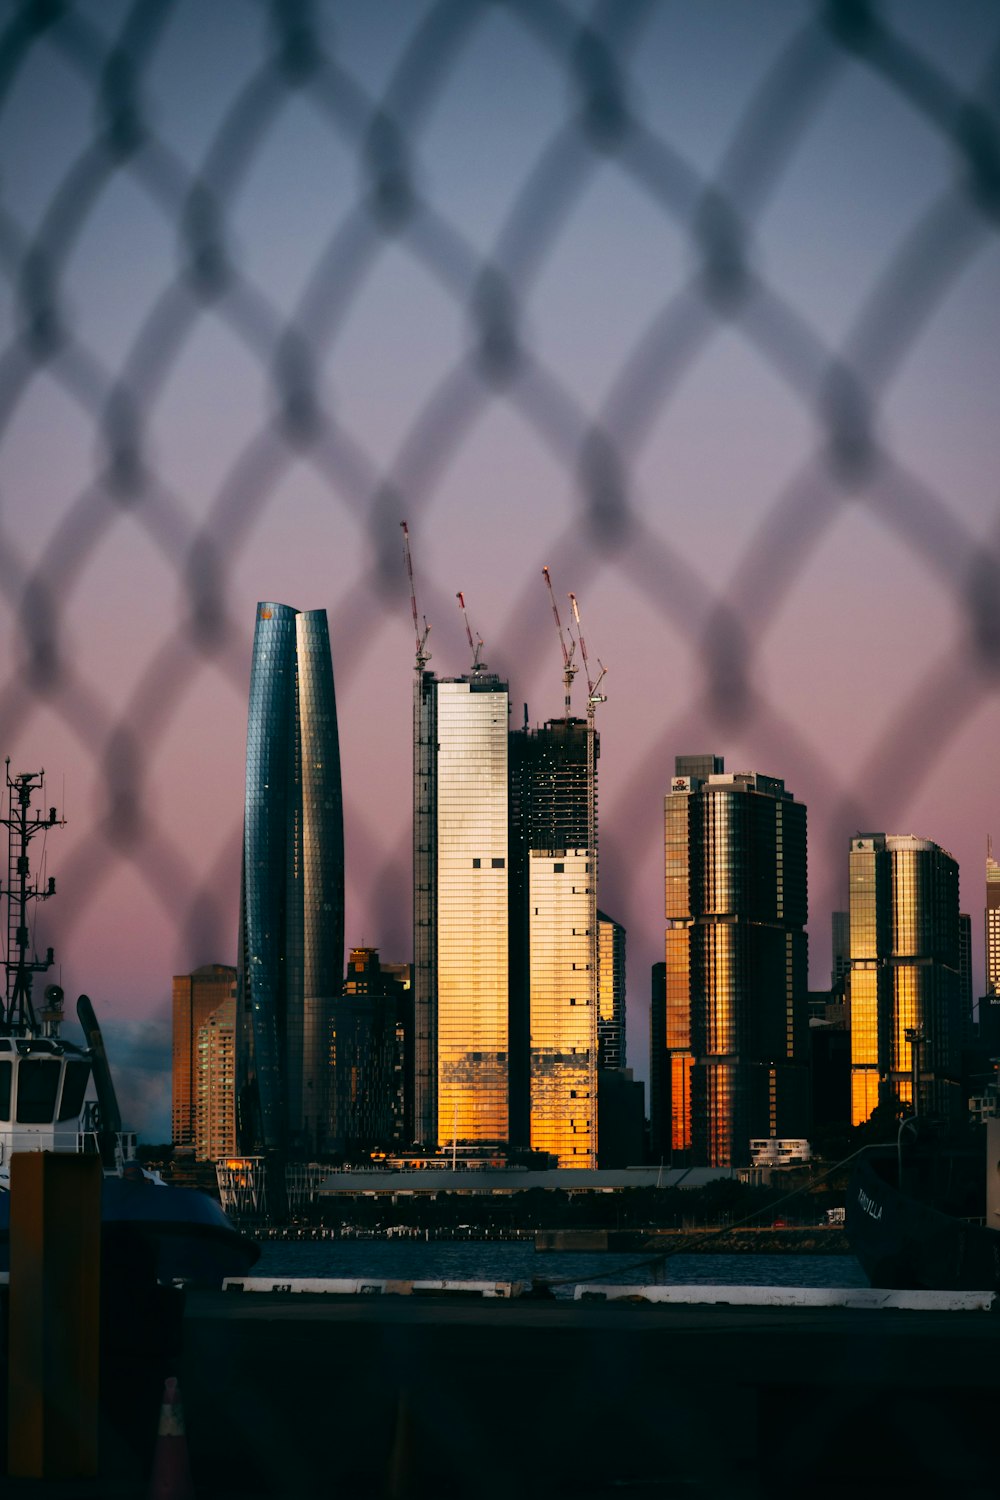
(291, 958)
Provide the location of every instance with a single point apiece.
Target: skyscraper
(369, 1048)
(195, 997)
(905, 975)
(292, 906)
(611, 1041)
(215, 1084)
(992, 921)
(736, 982)
(460, 881)
(554, 938)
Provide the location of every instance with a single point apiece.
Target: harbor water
(416, 1260)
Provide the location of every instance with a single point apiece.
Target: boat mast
(17, 1014)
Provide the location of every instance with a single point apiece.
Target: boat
(909, 1240)
(56, 1095)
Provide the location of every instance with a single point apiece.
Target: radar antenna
(17, 1013)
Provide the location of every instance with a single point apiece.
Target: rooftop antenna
(17, 1013)
(423, 655)
(569, 667)
(475, 646)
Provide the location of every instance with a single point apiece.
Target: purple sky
(748, 286)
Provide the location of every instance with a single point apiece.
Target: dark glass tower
(736, 983)
(292, 909)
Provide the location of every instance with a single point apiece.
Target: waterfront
(449, 1260)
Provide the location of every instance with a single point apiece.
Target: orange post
(54, 1318)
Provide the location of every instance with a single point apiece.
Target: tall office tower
(368, 1057)
(460, 882)
(992, 921)
(736, 1014)
(292, 906)
(215, 1106)
(195, 997)
(611, 1041)
(554, 940)
(905, 980)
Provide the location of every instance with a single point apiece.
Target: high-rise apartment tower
(736, 981)
(906, 983)
(195, 997)
(291, 958)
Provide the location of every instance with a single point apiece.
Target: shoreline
(707, 1240)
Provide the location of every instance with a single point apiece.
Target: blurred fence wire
(844, 388)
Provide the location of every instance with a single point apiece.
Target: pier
(302, 1394)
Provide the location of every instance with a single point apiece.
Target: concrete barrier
(790, 1296)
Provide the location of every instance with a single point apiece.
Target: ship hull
(181, 1234)
(905, 1244)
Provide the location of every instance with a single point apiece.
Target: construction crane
(475, 646)
(594, 697)
(423, 655)
(569, 667)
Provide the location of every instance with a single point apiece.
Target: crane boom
(569, 668)
(475, 646)
(593, 696)
(423, 655)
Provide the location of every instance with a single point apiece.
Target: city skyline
(697, 305)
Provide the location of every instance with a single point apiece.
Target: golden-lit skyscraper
(992, 921)
(461, 908)
(736, 982)
(554, 949)
(563, 1053)
(611, 1042)
(195, 997)
(905, 975)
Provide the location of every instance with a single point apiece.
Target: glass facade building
(292, 928)
(466, 1012)
(992, 922)
(735, 984)
(905, 981)
(554, 939)
(611, 1042)
(505, 924)
(370, 1057)
(563, 1055)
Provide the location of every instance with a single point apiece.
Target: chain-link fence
(696, 304)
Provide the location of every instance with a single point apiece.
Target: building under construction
(504, 911)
